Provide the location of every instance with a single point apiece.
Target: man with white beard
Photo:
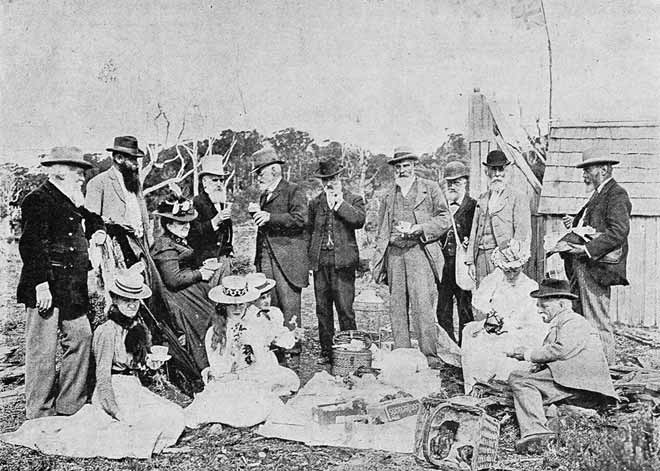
(211, 233)
(502, 214)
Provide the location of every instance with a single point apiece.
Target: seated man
(571, 360)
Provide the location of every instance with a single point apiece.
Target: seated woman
(124, 419)
(186, 285)
(505, 317)
(241, 386)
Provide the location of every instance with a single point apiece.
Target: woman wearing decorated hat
(124, 419)
(505, 316)
(242, 384)
(186, 283)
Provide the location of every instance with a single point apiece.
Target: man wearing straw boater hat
(570, 361)
(211, 233)
(600, 263)
(408, 255)
(53, 285)
(334, 216)
(281, 249)
(501, 214)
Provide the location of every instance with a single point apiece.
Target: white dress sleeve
(220, 359)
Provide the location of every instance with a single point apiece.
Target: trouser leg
(343, 293)
(422, 289)
(40, 349)
(324, 314)
(445, 311)
(464, 308)
(396, 279)
(285, 296)
(483, 265)
(76, 344)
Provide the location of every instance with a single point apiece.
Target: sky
(374, 73)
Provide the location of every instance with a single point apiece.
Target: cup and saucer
(211, 264)
(159, 353)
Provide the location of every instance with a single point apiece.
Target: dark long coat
(207, 242)
(463, 218)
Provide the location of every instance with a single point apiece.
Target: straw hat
(511, 257)
(180, 210)
(129, 284)
(233, 290)
(259, 282)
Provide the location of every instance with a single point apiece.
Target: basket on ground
(348, 361)
(370, 311)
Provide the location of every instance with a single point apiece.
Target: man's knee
(518, 379)
(78, 332)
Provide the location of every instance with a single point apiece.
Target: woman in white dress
(505, 316)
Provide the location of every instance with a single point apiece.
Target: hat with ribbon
(553, 288)
(511, 257)
(212, 165)
(596, 156)
(127, 145)
(328, 168)
(265, 157)
(180, 210)
(259, 282)
(455, 170)
(402, 153)
(66, 156)
(496, 158)
(129, 283)
(233, 290)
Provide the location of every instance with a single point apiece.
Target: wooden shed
(637, 146)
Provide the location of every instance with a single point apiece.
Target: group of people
(239, 332)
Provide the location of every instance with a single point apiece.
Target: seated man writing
(570, 361)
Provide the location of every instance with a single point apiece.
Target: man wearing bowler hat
(334, 216)
(570, 362)
(281, 250)
(501, 214)
(408, 254)
(462, 209)
(600, 263)
(53, 285)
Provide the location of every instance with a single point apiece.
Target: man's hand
(98, 238)
(518, 353)
(44, 298)
(567, 221)
(206, 273)
(576, 249)
(225, 214)
(472, 271)
(261, 217)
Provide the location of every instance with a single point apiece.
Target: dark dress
(185, 292)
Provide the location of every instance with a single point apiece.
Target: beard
(496, 185)
(131, 178)
(217, 196)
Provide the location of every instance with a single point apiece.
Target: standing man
(501, 214)
(53, 285)
(281, 251)
(211, 233)
(408, 255)
(462, 208)
(334, 215)
(601, 263)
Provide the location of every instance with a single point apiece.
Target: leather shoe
(535, 443)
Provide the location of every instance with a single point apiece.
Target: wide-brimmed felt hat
(233, 290)
(511, 257)
(126, 145)
(496, 158)
(129, 283)
(212, 165)
(553, 288)
(596, 156)
(181, 210)
(455, 170)
(402, 153)
(265, 157)
(328, 168)
(259, 282)
(65, 155)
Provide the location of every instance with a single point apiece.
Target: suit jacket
(463, 218)
(54, 248)
(609, 213)
(430, 212)
(574, 354)
(207, 242)
(105, 196)
(511, 219)
(348, 217)
(285, 233)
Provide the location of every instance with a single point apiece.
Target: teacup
(159, 350)
(253, 208)
(211, 263)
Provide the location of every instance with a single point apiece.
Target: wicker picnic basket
(348, 361)
(370, 309)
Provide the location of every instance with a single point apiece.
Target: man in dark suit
(334, 215)
(281, 251)
(462, 208)
(53, 285)
(601, 263)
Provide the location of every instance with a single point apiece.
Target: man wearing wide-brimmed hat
(53, 285)
(569, 362)
(501, 214)
(281, 251)
(601, 263)
(408, 254)
(211, 233)
(334, 216)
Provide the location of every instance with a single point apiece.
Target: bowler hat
(596, 156)
(402, 153)
(233, 290)
(212, 165)
(129, 283)
(328, 168)
(496, 158)
(553, 288)
(265, 157)
(180, 210)
(127, 145)
(455, 170)
(67, 156)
